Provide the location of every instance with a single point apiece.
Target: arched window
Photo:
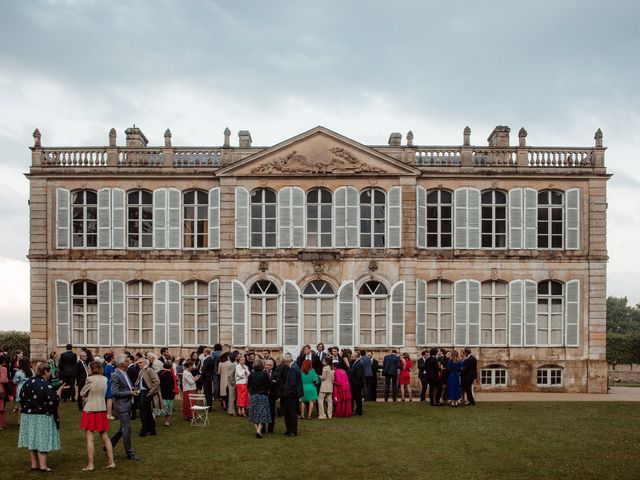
(319, 224)
(372, 218)
(550, 312)
(494, 376)
(140, 219)
(139, 313)
(550, 219)
(84, 204)
(373, 298)
(549, 375)
(84, 299)
(494, 219)
(195, 313)
(439, 312)
(494, 313)
(439, 218)
(319, 312)
(196, 219)
(263, 217)
(263, 317)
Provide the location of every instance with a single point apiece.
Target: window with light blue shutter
(62, 218)
(242, 217)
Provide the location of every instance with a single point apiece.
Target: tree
(622, 318)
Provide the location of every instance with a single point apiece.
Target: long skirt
(242, 395)
(186, 404)
(167, 409)
(259, 411)
(342, 404)
(38, 432)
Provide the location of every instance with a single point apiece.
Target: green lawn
(519, 440)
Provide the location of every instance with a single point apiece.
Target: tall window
(195, 313)
(439, 218)
(139, 313)
(550, 219)
(549, 375)
(372, 218)
(319, 217)
(140, 218)
(263, 218)
(264, 313)
(494, 219)
(550, 312)
(84, 204)
(494, 313)
(319, 312)
(196, 219)
(84, 298)
(439, 312)
(373, 299)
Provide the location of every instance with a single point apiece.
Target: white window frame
(439, 219)
(198, 316)
(318, 313)
(440, 298)
(139, 221)
(195, 234)
(139, 313)
(491, 373)
(84, 314)
(84, 207)
(318, 218)
(372, 218)
(263, 219)
(372, 330)
(493, 296)
(494, 220)
(263, 312)
(549, 207)
(549, 314)
(549, 372)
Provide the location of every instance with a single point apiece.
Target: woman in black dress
(258, 384)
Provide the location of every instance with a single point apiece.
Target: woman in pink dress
(341, 394)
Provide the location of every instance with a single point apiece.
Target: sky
(74, 69)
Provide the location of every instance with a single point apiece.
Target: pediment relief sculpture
(338, 161)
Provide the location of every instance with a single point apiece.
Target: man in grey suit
(123, 395)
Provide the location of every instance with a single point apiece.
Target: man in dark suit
(468, 374)
(123, 395)
(356, 382)
(365, 361)
(390, 366)
(164, 355)
(373, 386)
(292, 391)
(132, 372)
(82, 372)
(207, 369)
(281, 376)
(273, 392)
(67, 373)
(308, 354)
(422, 375)
(432, 377)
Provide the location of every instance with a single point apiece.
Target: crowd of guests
(333, 383)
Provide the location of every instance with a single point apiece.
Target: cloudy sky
(74, 69)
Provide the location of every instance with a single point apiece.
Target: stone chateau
(323, 239)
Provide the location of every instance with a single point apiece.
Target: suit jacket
(273, 383)
(281, 377)
(81, 373)
(422, 365)
(208, 368)
(390, 364)
(469, 370)
(316, 364)
(356, 374)
(366, 365)
(122, 398)
(293, 384)
(94, 392)
(152, 382)
(67, 364)
(432, 367)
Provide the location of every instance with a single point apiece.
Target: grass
(518, 440)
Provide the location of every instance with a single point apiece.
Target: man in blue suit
(292, 390)
(123, 394)
(390, 367)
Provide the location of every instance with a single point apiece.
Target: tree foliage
(13, 341)
(623, 331)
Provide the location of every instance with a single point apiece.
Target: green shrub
(623, 348)
(14, 341)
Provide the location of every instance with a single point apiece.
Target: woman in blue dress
(108, 370)
(454, 389)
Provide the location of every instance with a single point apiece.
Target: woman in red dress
(341, 394)
(405, 375)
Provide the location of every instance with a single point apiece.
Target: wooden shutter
(63, 219)
(63, 323)
(160, 218)
(117, 313)
(214, 219)
(174, 215)
(118, 218)
(530, 218)
(397, 315)
(530, 311)
(394, 217)
(104, 219)
(473, 309)
(284, 217)
(516, 301)
(104, 313)
(473, 218)
(516, 218)
(291, 316)
(461, 311)
(421, 312)
(160, 313)
(173, 312)
(214, 312)
(346, 313)
(353, 213)
(461, 217)
(340, 217)
(239, 314)
(298, 218)
(421, 217)
(242, 220)
(572, 219)
(572, 314)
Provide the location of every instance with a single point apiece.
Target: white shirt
(242, 374)
(188, 382)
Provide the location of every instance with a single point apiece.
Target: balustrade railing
(494, 157)
(555, 157)
(438, 156)
(74, 157)
(197, 157)
(140, 157)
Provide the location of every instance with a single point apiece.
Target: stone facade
(321, 158)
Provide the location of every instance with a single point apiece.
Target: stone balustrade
(438, 156)
(197, 157)
(74, 157)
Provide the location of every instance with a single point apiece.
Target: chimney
(245, 138)
(499, 137)
(395, 139)
(135, 137)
